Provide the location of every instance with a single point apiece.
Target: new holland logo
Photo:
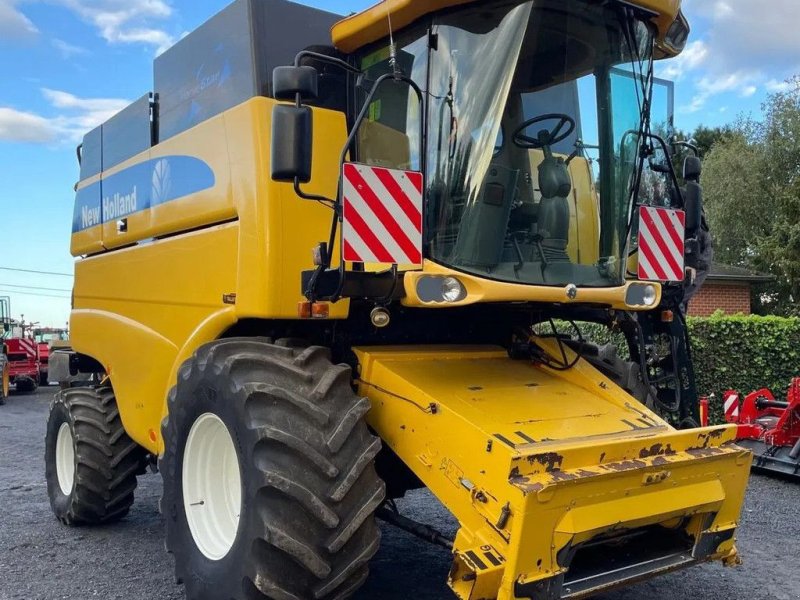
(119, 205)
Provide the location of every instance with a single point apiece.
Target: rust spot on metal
(625, 465)
(514, 473)
(563, 476)
(657, 450)
(585, 473)
(659, 461)
(704, 452)
(551, 461)
(602, 457)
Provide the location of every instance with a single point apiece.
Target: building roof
(721, 272)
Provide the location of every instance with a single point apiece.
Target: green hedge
(744, 353)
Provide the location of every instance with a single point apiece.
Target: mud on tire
(105, 460)
(309, 491)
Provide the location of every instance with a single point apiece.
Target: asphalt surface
(40, 559)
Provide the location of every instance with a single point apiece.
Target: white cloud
(67, 50)
(19, 126)
(773, 85)
(708, 86)
(749, 35)
(74, 117)
(126, 21)
(694, 56)
(14, 25)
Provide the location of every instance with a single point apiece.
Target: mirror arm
(337, 206)
(670, 166)
(337, 62)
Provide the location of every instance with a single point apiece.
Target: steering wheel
(562, 130)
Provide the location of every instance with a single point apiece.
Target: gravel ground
(43, 560)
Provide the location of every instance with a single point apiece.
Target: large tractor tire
(5, 380)
(91, 464)
(269, 481)
(26, 385)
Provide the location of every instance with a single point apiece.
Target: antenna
(392, 46)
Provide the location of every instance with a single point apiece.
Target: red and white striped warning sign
(661, 244)
(382, 215)
(730, 401)
(29, 346)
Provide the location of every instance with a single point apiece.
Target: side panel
(135, 308)
(142, 308)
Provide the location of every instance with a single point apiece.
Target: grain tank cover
(230, 59)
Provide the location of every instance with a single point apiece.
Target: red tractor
(23, 363)
(769, 427)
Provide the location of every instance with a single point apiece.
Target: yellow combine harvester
(289, 386)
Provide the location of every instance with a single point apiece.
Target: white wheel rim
(65, 459)
(212, 486)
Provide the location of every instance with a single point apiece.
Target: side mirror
(290, 82)
(692, 169)
(693, 206)
(292, 136)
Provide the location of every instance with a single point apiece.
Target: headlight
(440, 289)
(641, 294)
(452, 290)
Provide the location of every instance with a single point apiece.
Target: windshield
(535, 124)
(534, 128)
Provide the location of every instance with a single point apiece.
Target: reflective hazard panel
(661, 244)
(382, 215)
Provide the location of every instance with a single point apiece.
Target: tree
(751, 181)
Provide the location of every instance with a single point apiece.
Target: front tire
(284, 426)
(90, 462)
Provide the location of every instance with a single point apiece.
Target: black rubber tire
(107, 460)
(26, 385)
(309, 488)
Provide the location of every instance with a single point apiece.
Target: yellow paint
(142, 310)
(371, 25)
(571, 454)
(480, 289)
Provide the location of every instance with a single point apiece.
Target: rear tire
(90, 462)
(26, 385)
(289, 419)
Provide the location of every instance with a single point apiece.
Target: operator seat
(555, 185)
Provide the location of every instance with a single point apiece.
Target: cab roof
(372, 24)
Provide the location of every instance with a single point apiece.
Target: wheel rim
(65, 459)
(212, 486)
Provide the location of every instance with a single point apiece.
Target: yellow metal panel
(372, 24)
(207, 143)
(90, 239)
(136, 308)
(480, 289)
(533, 462)
(141, 310)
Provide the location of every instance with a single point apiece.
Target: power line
(33, 287)
(36, 272)
(34, 294)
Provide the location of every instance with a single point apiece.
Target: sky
(68, 65)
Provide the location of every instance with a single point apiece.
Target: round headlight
(650, 295)
(452, 290)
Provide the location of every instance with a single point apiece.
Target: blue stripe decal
(139, 188)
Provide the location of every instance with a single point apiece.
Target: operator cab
(514, 194)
